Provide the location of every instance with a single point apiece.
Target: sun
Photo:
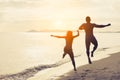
(58, 24)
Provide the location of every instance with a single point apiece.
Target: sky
(44, 15)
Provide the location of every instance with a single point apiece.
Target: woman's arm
(57, 36)
(77, 34)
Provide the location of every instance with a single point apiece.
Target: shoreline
(102, 63)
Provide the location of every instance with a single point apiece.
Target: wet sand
(104, 69)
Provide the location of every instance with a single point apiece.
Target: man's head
(88, 19)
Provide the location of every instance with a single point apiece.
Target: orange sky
(25, 15)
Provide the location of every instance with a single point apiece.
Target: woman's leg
(72, 59)
(64, 54)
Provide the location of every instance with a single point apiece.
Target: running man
(89, 37)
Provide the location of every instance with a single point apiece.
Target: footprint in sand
(87, 70)
(105, 68)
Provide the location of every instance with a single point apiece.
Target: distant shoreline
(75, 31)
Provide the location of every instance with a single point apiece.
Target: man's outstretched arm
(101, 26)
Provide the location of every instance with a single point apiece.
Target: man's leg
(88, 51)
(95, 43)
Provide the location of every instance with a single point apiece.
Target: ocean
(32, 52)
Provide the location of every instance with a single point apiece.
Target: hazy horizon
(39, 15)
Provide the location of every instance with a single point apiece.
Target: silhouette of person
(89, 37)
(68, 47)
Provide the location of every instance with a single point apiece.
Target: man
(90, 38)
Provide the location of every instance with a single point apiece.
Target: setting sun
(58, 24)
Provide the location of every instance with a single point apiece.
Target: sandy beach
(105, 69)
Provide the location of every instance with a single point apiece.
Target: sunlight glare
(34, 51)
(58, 24)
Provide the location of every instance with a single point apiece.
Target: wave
(30, 72)
(27, 73)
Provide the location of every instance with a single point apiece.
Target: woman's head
(69, 33)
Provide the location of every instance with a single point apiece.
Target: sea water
(25, 50)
